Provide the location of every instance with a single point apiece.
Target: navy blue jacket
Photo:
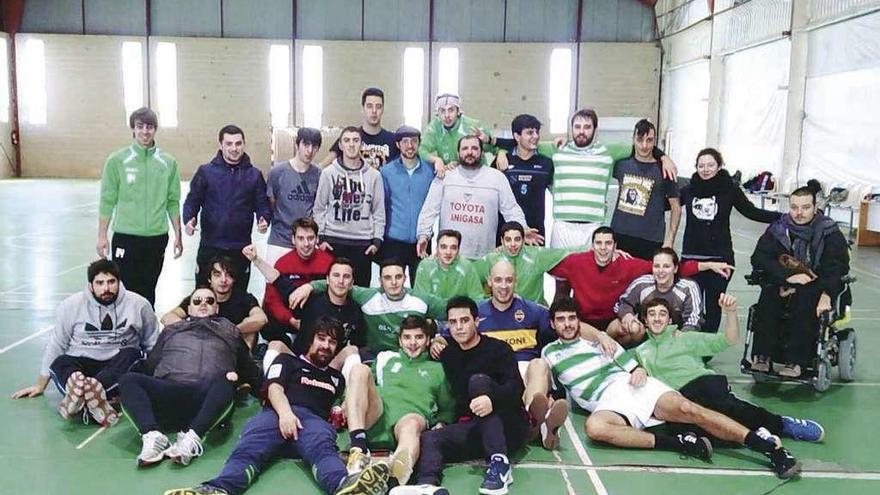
(230, 198)
(404, 196)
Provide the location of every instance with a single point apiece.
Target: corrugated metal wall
(370, 20)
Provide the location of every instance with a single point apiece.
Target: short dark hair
(341, 260)
(805, 191)
(102, 266)
(652, 302)
(202, 287)
(469, 136)
(390, 262)
(643, 127)
(145, 115)
(330, 327)
(230, 129)
(416, 321)
(462, 302)
(585, 113)
(226, 263)
(671, 253)
(602, 230)
(524, 121)
(449, 233)
(372, 92)
(512, 226)
(309, 135)
(563, 304)
(713, 153)
(305, 223)
(349, 128)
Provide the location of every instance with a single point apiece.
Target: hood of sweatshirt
(244, 163)
(98, 312)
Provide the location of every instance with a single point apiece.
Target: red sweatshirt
(299, 272)
(596, 290)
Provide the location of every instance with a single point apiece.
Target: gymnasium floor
(48, 237)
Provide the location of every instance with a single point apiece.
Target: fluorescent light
(560, 89)
(279, 85)
(34, 81)
(413, 86)
(448, 76)
(166, 83)
(313, 85)
(4, 81)
(132, 77)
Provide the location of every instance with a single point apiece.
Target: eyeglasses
(196, 301)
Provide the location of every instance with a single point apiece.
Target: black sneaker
(372, 480)
(695, 446)
(784, 464)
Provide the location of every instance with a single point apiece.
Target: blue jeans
(261, 442)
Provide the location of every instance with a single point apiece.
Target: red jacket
(299, 272)
(595, 290)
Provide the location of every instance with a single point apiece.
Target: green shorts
(381, 434)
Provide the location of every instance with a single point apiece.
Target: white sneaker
(187, 446)
(418, 490)
(155, 443)
(766, 435)
(401, 466)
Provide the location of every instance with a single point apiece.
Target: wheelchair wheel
(846, 360)
(822, 380)
(760, 377)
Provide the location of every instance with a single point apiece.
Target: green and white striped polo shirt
(580, 180)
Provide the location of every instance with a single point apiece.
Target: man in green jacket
(676, 358)
(440, 140)
(140, 191)
(447, 274)
(403, 395)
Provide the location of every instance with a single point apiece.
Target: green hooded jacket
(676, 358)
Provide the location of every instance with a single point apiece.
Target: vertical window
(166, 83)
(132, 77)
(34, 81)
(313, 85)
(413, 86)
(560, 89)
(279, 85)
(448, 75)
(4, 81)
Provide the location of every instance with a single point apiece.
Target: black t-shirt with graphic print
(376, 149)
(306, 385)
(640, 210)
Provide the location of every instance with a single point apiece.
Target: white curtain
(753, 108)
(841, 137)
(684, 108)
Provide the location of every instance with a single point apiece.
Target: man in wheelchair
(802, 258)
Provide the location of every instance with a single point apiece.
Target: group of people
(455, 355)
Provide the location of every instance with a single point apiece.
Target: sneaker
(766, 435)
(155, 443)
(790, 371)
(552, 422)
(784, 464)
(695, 446)
(97, 404)
(187, 446)
(498, 476)
(401, 465)
(197, 490)
(802, 429)
(372, 480)
(73, 402)
(537, 412)
(419, 490)
(358, 460)
(761, 364)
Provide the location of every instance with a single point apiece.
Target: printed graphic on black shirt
(704, 208)
(348, 199)
(375, 155)
(635, 194)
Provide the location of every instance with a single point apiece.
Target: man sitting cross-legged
(300, 391)
(100, 333)
(623, 400)
(676, 358)
(409, 395)
(191, 377)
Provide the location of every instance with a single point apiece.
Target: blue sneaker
(802, 429)
(498, 476)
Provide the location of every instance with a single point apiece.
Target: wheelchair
(835, 345)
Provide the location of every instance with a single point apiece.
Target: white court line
(91, 437)
(63, 272)
(746, 381)
(845, 475)
(568, 486)
(585, 459)
(25, 339)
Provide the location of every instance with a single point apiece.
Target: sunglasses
(196, 301)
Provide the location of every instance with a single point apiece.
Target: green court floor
(48, 236)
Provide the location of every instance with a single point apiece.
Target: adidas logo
(301, 193)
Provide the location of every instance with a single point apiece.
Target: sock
(664, 442)
(758, 444)
(359, 439)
